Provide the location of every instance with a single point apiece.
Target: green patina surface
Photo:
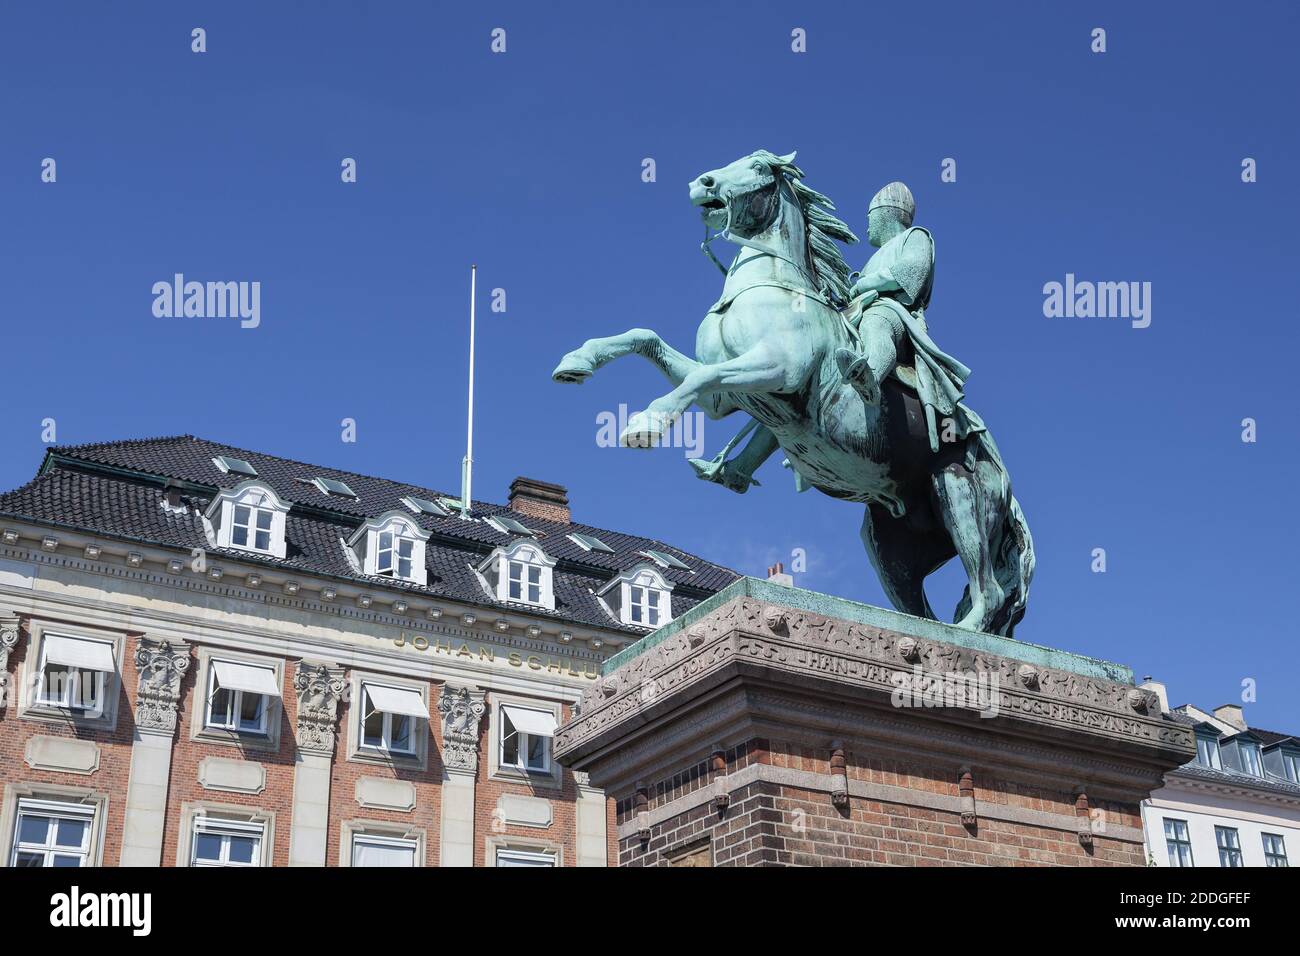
(846, 610)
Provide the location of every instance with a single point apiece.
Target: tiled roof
(115, 489)
(1232, 777)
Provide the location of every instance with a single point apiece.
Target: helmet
(895, 196)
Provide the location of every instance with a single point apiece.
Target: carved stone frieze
(9, 633)
(319, 688)
(462, 709)
(160, 667)
(749, 630)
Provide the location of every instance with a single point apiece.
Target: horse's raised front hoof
(644, 430)
(574, 369)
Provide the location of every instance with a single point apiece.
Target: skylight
(509, 525)
(424, 506)
(236, 465)
(666, 560)
(332, 486)
(590, 543)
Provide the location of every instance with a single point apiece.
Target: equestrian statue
(838, 370)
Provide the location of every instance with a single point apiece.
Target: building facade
(216, 657)
(1236, 804)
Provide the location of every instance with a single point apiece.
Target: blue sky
(1122, 166)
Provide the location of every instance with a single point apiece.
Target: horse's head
(746, 198)
(744, 195)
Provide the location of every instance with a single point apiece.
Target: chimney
(1231, 715)
(776, 574)
(172, 491)
(541, 499)
(1160, 692)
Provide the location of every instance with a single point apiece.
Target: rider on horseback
(886, 319)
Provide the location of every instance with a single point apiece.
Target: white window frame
(1211, 751)
(497, 767)
(525, 857)
(257, 497)
(516, 563)
(367, 544)
(627, 597)
(1291, 766)
(1274, 857)
(1246, 750)
(1227, 840)
(380, 833)
(357, 707)
(523, 742)
(73, 685)
(385, 745)
(226, 829)
(33, 703)
(54, 811)
(236, 697)
(399, 843)
(1180, 839)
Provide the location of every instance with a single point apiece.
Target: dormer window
(391, 546)
(1207, 751)
(640, 597)
(252, 526)
(1248, 750)
(520, 573)
(249, 517)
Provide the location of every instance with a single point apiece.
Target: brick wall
(187, 755)
(772, 823)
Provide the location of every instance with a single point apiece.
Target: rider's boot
(856, 371)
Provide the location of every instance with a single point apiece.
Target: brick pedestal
(773, 726)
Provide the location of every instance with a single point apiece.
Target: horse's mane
(823, 229)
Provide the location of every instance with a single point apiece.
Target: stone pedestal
(774, 726)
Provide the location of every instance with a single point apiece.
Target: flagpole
(467, 466)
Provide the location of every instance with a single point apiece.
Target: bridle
(726, 233)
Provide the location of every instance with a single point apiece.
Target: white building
(1236, 804)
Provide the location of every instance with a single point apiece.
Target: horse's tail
(1013, 565)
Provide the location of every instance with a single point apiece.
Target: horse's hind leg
(902, 558)
(971, 508)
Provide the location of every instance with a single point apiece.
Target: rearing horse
(767, 348)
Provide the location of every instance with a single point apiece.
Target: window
(640, 597)
(507, 525)
(389, 718)
(1229, 846)
(643, 606)
(369, 850)
(1291, 767)
(1274, 850)
(390, 546)
(49, 834)
(238, 696)
(73, 674)
(521, 573)
(425, 506)
(1178, 843)
(249, 517)
(526, 738)
(524, 858)
(525, 583)
(219, 842)
(666, 560)
(590, 542)
(251, 528)
(229, 465)
(333, 486)
(1250, 763)
(1207, 751)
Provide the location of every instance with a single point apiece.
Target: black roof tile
(114, 489)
